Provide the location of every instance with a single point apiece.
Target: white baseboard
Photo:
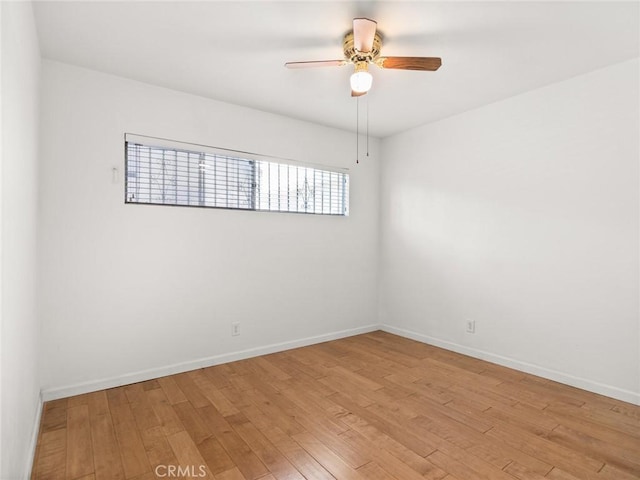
(583, 383)
(33, 443)
(143, 375)
(140, 376)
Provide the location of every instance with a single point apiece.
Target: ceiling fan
(361, 48)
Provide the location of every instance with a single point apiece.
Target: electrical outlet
(471, 326)
(235, 329)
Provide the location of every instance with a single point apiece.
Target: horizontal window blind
(171, 175)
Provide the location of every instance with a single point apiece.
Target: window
(161, 173)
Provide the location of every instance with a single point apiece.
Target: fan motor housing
(353, 55)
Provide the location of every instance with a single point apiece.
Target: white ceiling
(235, 51)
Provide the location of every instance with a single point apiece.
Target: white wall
(18, 214)
(522, 215)
(137, 288)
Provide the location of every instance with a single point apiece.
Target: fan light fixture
(361, 80)
(361, 47)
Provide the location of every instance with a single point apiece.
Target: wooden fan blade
(364, 31)
(357, 94)
(316, 63)
(410, 63)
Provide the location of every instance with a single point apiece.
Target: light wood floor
(371, 407)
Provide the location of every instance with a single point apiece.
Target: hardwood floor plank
(612, 455)
(165, 413)
(106, 455)
(214, 395)
(236, 398)
(242, 455)
(264, 449)
(191, 390)
(91, 476)
(551, 453)
(430, 409)
(304, 364)
(98, 403)
(332, 462)
(430, 390)
(218, 375)
(526, 396)
(215, 456)
(456, 467)
(157, 447)
(357, 381)
(353, 457)
(270, 369)
(606, 426)
(373, 471)
(501, 416)
(521, 472)
(315, 420)
(559, 474)
(448, 443)
(281, 410)
(134, 457)
(379, 439)
(340, 384)
(626, 410)
(189, 458)
(395, 459)
(298, 457)
(147, 476)
(150, 385)
(54, 417)
(449, 437)
(171, 390)
(58, 403)
(390, 428)
(232, 474)
(192, 422)
(610, 472)
(288, 365)
(308, 465)
(316, 408)
(78, 400)
(524, 416)
(604, 434)
(79, 458)
(134, 392)
(481, 395)
(548, 392)
(313, 359)
(495, 452)
(440, 435)
(50, 462)
(117, 396)
(144, 414)
(384, 351)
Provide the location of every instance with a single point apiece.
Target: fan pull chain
(357, 130)
(367, 126)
